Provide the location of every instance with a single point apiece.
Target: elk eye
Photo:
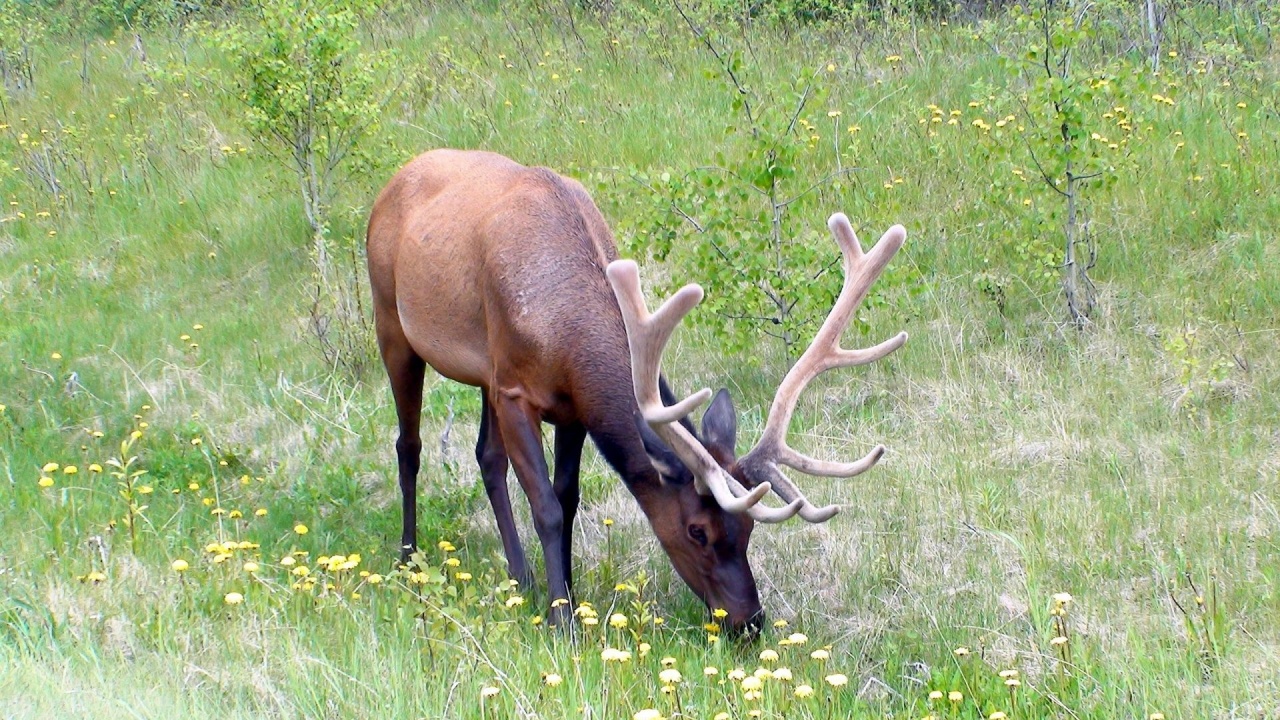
(698, 534)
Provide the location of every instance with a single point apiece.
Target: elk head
(707, 538)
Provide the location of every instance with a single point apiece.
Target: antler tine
(647, 336)
(861, 270)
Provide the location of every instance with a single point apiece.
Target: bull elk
(506, 277)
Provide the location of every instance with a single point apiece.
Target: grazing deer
(504, 277)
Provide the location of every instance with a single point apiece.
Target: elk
(506, 277)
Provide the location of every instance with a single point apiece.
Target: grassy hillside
(158, 285)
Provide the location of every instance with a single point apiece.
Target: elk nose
(748, 629)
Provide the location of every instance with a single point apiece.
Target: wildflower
(961, 651)
(1012, 682)
(50, 467)
(70, 470)
(955, 696)
(608, 522)
(935, 695)
(233, 598)
(301, 571)
(1156, 716)
(647, 714)
(719, 613)
(453, 562)
(374, 579)
(667, 662)
(783, 674)
(463, 576)
(45, 481)
(1058, 641)
(769, 655)
(251, 567)
(55, 356)
(797, 638)
(820, 654)
(95, 576)
(260, 512)
(737, 674)
(710, 671)
(834, 113)
(615, 655)
(1008, 673)
(618, 620)
(644, 649)
(779, 624)
(1062, 598)
(751, 683)
(670, 676)
(552, 680)
(301, 529)
(180, 565)
(837, 680)
(763, 673)
(804, 691)
(997, 715)
(488, 691)
(515, 601)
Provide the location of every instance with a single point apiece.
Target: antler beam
(647, 336)
(824, 353)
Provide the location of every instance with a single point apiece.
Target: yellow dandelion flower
(260, 512)
(837, 680)
(751, 683)
(961, 651)
(647, 714)
(769, 655)
(737, 674)
(1156, 716)
(719, 613)
(1058, 641)
(1012, 682)
(552, 680)
(55, 356)
(955, 696)
(1062, 598)
(50, 467)
(488, 691)
(618, 620)
(763, 673)
(1008, 673)
(997, 715)
(667, 662)
(301, 529)
(233, 598)
(779, 624)
(251, 567)
(95, 576)
(935, 695)
(608, 522)
(180, 565)
(374, 579)
(45, 481)
(453, 562)
(70, 470)
(463, 576)
(670, 676)
(797, 638)
(515, 601)
(783, 674)
(710, 671)
(804, 691)
(820, 654)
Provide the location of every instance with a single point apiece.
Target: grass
(1133, 465)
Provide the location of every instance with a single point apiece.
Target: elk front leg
(521, 429)
(569, 439)
(491, 454)
(406, 371)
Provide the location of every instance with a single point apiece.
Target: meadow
(198, 507)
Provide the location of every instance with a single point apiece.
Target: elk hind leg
(406, 371)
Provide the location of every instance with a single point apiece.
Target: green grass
(1133, 464)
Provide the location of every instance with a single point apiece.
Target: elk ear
(720, 424)
(661, 456)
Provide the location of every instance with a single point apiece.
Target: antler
(647, 335)
(761, 463)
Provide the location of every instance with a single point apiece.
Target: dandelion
(752, 683)
(1156, 716)
(1062, 598)
(737, 674)
(997, 715)
(961, 652)
(50, 467)
(45, 482)
(453, 562)
(804, 691)
(70, 470)
(180, 565)
(615, 655)
(55, 356)
(647, 714)
(837, 680)
(670, 676)
(935, 695)
(488, 691)
(301, 529)
(233, 598)
(552, 680)
(779, 624)
(462, 576)
(820, 654)
(260, 512)
(769, 655)
(618, 620)
(763, 673)
(782, 674)
(1010, 673)
(719, 613)
(251, 567)
(1058, 641)
(94, 576)
(797, 639)
(710, 671)
(1012, 682)
(955, 696)
(515, 601)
